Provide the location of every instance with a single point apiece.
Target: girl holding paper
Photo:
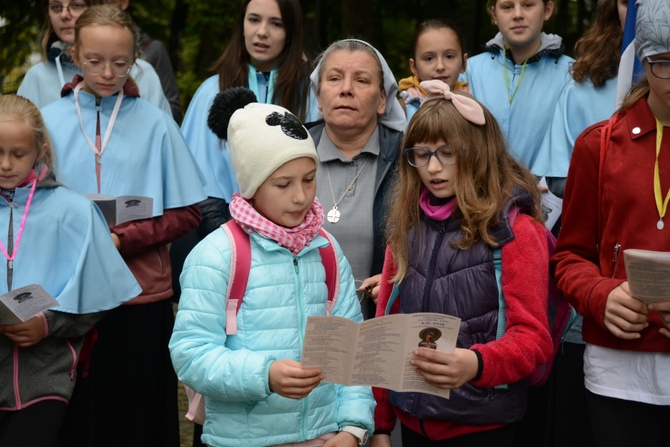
(616, 197)
(108, 140)
(58, 239)
(454, 203)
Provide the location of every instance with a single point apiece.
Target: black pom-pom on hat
(225, 104)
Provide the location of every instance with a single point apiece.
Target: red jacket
(587, 267)
(144, 247)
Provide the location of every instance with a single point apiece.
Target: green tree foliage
(197, 31)
(20, 24)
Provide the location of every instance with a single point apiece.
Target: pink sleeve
(526, 342)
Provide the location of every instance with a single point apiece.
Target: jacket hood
(55, 48)
(550, 45)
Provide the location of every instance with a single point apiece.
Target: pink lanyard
(15, 250)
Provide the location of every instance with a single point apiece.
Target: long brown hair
(292, 85)
(13, 107)
(637, 92)
(598, 51)
(488, 177)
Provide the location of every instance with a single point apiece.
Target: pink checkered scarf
(295, 239)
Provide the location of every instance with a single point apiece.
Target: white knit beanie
(261, 138)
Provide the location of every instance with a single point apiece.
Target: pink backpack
(237, 287)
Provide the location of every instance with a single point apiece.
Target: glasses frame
(652, 63)
(408, 156)
(104, 65)
(63, 7)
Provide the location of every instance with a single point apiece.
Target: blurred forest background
(196, 31)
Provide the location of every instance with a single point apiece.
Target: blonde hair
(13, 107)
(108, 15)
(488, 178)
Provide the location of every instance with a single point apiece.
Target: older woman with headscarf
(358, 143)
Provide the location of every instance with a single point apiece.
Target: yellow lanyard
(518, 83)
(661, 204)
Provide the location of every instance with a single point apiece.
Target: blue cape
(146, 154)
(67, 249)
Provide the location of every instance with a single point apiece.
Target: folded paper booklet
(648, 274)
(24, 303)
(118, 210)
(377, 352)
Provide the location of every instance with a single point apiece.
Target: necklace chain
(334, 214)
(347, 189)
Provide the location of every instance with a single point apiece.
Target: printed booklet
(377, 352)
(118, 210)
(24, 303)
(648, 274)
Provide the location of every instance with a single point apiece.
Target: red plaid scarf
(295, 239)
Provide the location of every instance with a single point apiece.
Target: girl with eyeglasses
(42, 84)
(109, 141)
(459, 196)
(616, 198)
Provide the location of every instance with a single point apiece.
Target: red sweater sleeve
(385, 417)
(526, 342)
(138, 236)
(575, 262)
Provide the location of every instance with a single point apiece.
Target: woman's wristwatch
(358, 432)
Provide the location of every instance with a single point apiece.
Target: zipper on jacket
(615, 258)
(10, 246)
(433, 259)
(160, 260)
(423, 428)
(73, 351)
(303, 323)
(17, 393)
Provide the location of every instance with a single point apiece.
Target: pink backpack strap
(329, 260)
(240, 264)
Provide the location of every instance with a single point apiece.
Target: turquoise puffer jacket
(232, 371)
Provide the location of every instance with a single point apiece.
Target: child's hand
(342, 439)
(625, 316)
(117, 241)
(446, 371)
(289, 379)
(663, 309)
(371, 287)
(25, 334)
(380, 441)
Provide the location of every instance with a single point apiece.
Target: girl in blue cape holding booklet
(107, 140)
(57, 239)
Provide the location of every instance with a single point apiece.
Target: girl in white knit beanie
(246, 362)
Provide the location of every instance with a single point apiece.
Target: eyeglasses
(119, 68)
(74, 8)
(420, 156)
(660, 69)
